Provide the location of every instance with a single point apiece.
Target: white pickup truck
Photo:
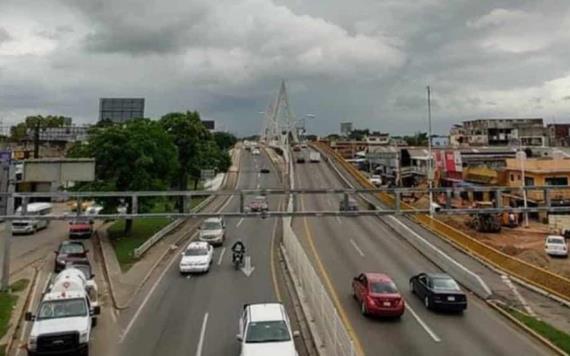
(65, 317)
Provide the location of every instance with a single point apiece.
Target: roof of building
(539, 165)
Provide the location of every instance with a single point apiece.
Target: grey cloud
(4, 35)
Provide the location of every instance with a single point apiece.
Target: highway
(198, 314)
(347, 246)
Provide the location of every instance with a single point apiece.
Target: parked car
(265, 329)
(349, 205)
(438, 291)
(555, 245)
(376, 180)
(68, 252)
(196, 258)
(80, 228)
(258, 204)
(377, 295)
(213, 231)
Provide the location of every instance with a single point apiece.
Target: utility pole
(7, 235)
(430, 163)
(522, 158)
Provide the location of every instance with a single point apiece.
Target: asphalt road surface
(347, 246)
(198, 314)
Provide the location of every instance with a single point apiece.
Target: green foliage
(20, 131)
(419, 139)
(358, 135)
(557, 337)
(138, 155)
(225, 140)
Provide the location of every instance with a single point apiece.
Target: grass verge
(7, 305)
(554, 335)
(141, 231)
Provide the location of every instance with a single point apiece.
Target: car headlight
(32, 343)
(84, 337)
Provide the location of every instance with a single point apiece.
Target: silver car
(213, 231)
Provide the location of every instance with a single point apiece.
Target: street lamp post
(430, 163)
(522, 158)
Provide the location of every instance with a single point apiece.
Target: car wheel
(412, 289)
(363, 310)
(427, 302)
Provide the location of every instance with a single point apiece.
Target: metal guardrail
(550, 282)
(139, 251)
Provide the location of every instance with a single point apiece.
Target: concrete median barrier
(549, 282)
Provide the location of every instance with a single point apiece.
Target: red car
(378, 295)
(80, 228)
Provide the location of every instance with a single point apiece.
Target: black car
(438, 291)
(68, 252)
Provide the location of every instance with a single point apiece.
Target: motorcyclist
(238, 249)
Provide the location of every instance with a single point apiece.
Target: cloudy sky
(366, 61)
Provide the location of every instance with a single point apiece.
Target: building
(539, 172)
(497, 132)
(378, 138)
(121, 109)
(65, 134)
(439, 141)
(559, 134)
(457, 136)
(209, 124)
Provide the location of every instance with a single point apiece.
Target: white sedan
(376, 180)
(197, 257)
(556, 246)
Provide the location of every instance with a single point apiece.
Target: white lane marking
(357, 248)
(114, 316)
(239, 222)
(441, 253)
(258, 185)
(517, 294)
(202, 334)
(221, 256)
(147, 297)
(430, 332)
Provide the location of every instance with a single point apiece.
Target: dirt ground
(524, 243)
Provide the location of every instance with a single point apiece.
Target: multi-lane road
(347, 246)
(198, 314)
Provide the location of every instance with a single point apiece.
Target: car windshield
(211, 225)
(62, 309)
(383, 287)
(444, 284)
(196, 252)
(71, 248)
(267, 331)
(260, 199)
(555, 241)
(80, 222)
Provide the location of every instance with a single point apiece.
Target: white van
(29, 225)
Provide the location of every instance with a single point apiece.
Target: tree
(419, 139)
(36, 124)
(135, 156)
(224, 140)
(358, 135)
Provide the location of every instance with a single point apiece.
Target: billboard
(345, 128)
(121, 109)
(210, 124)
(448, 161)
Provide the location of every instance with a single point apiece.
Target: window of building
(512, 177)
(518, 177)
(529, 181)
(556, 180)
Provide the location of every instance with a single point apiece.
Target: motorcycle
(237, 259)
